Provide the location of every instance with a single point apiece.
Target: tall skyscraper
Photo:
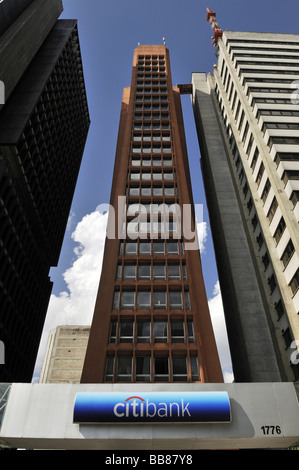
(247, 119)
(151, 320)
(43, 128)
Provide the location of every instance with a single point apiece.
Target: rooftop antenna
(211, 18)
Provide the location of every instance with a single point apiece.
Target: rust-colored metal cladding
(151, 321)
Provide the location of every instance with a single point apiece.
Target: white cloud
(202, 232)
(75, 307)
(218, 321)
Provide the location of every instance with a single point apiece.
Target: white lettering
(150, 409)
(119, 415)
(185, 408)
(162, 412)
(147, 409)
(170, 408)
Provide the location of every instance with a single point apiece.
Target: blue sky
(109, 31)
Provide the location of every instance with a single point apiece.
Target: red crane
(211, 18)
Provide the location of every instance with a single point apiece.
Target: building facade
(64, 356)
(151, 321)
(252, 195)
(43, 128)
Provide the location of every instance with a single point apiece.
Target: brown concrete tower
(151, 321)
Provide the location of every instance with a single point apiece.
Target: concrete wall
(252, 352)
(65, 355)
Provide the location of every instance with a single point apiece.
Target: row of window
(271, 56)
(151, 57)
(148, 106)
(154, 148)
(157, 331)
(151, 98)
(163, 116)
(151, 90)
(156, 190)
(170, 271)
(276, 63)
(154, 161)
(151, 126)
(270, 49)
(155, 175)
(151, 75)
(147, 300)
(147, 369)
(269, 71)
(151, 247)
(164, 228)
(287, 91)
(283, 140)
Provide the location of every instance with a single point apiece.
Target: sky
(109, 31)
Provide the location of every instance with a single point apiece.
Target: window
(179, 369)
(144, 248)
(145, 191)
(143, 368)
(174, 271)
(288, 339)
(190, 331)
(128, 300)
(134, 192)
(279, 308)
(144, 300)
(272, 283)
(159, 248)
(113, 331)
(288, 253)
(119, 271)
(144, 272)
(109, 369)
(126, 331)
(279, 231)
(143, 331)
(160, 331)
(124, 369)
(169, 191)
(172, 248)
(159, 272)
(157, 191)
(131, 248)
(194, 368)
(266, 191)
(161, 369)
(272, 210)
(129, 272)
(159, 300)
(116, 300)
(177, 331)
(175, 300)
(187, 300)
(294, 284)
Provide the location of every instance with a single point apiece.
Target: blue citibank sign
(157, 407)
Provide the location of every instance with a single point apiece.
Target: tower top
(211, 18)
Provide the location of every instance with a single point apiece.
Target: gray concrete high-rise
(44, 122)
(247, 118)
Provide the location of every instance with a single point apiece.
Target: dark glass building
(43, 129)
